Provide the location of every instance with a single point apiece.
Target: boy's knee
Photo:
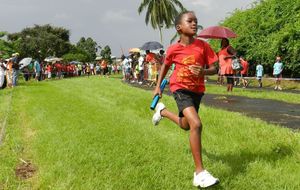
(196, 125)
(186, 128)
(184, 125)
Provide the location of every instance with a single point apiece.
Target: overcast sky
(109, 22)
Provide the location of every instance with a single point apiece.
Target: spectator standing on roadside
(37, 70)
(15, 69)
(259, 74)
(125, 68)
(141, 67)
(225, 55)
(79, 66)
(49, 70)
(277, 72)
(244, 72)
(92, 69)
(2, 72)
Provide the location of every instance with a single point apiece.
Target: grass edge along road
(255, 93)
(96, 133)
(266, 92)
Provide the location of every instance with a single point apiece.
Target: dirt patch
(271, 111)
(25, 170)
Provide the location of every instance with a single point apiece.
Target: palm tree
(160, 13)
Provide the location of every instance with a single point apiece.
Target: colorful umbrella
(134, 50)
(152, 45)
(217, 32)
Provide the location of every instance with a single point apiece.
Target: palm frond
(160, 13)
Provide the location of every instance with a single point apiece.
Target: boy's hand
(157, 91)
(197, 70)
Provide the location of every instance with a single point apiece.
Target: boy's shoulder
(197, 42)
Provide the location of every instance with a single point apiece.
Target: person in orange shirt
(193, 59)
(225, 58)
(244, 72)
(104, 68)
(152, 61)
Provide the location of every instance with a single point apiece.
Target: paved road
(272, 111)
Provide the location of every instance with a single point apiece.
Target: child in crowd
(259, 74)
(277, 72)
(244, 72)
(190, 56)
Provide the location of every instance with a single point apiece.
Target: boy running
(190, 57)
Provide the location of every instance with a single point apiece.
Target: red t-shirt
(150, 57)
(58, 67)
(245, 67)
(49, 69)
(197, 53)
(225, 64)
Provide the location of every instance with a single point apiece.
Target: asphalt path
(272, 111)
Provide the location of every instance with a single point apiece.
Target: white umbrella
(98, 58)
(24, 62)
(52, 59)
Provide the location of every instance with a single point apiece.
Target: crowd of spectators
(10, 69)
(142, 68)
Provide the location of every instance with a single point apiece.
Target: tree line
(268, 29)
(41, 41)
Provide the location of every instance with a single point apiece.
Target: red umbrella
(217, 32)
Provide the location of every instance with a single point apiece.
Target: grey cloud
(114, 22)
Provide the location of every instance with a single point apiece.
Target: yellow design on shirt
(184, 75)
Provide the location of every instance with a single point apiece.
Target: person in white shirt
(141, 67)
(92, 69)
(2, 72)
(125, 67)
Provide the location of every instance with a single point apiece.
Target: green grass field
(96, 133)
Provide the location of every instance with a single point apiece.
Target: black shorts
(185, 98)
(229, 79)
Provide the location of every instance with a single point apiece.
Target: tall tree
(106, 54)
(6, 48)
(89, 46)
(160, 13)
(76, 54)
(268, 29)
(41, 41)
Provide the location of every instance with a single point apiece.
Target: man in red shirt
(244, 72)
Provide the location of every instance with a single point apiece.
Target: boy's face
(188, 24)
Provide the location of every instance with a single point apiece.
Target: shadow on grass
(239, 162)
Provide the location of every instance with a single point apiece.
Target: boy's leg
(195, 125)
(190, 121)
(181, 121)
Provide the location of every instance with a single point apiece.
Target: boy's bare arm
(198, 70)
(211, 70)
(163, 71)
